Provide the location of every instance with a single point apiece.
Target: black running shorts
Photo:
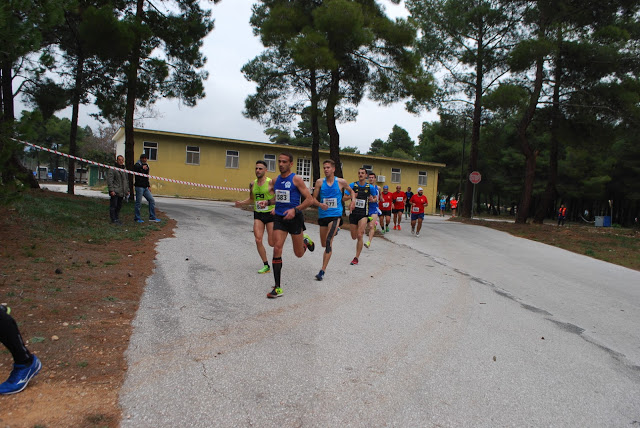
(295, 226)
(263, 217)
(324, 222)
(354, 218)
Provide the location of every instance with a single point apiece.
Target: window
(369, 168)
(304, 170)
(271, 162)
(422, 178)
(193, 155)
(395, 175)
(233, 157)
(151, 150)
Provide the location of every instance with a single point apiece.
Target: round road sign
(475, 177)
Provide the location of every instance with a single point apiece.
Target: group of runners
(278, 204)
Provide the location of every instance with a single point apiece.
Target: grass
(75, 219)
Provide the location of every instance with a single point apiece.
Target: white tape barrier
(170, 180)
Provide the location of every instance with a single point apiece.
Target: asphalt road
(464, 326)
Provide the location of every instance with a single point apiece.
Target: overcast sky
(228, 47)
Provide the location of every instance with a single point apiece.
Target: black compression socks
(277, 267)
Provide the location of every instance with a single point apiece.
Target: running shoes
(20, 377)
(276, 292)
(310, 245)
(265, 269)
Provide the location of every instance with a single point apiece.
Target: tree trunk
(132, 88)
(77, 90)
(315, 129)
(467, 202)
(551, 191)
(529, 153)
(334, 137)
(13, 167)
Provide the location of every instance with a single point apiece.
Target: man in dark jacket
(118, 184)
(143, 188)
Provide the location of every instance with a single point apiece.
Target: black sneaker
(320, 275)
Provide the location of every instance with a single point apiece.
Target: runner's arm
(316, 195)
(247, 201)
(352, 195)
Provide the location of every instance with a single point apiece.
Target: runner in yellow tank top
(262, 202)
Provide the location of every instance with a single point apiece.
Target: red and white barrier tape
(171, 180)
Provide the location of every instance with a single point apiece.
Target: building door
(304, 171)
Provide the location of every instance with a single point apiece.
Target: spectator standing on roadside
(143, 189)
(118, 185)
(443, 205)
(25, 364)
(562, 215)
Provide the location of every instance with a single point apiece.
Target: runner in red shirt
(454, 206)
(399, 198)
(386, 205)
(418, 203)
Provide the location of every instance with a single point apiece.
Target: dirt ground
(74, 304)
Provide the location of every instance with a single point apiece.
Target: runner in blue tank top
(328, 197)
(373, 206)
(288, 218)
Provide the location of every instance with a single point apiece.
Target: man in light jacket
(118, 188)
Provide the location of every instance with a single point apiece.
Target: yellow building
(223, 162)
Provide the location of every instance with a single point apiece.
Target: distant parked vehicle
(42, 173)
(82, 175)
(60, 174)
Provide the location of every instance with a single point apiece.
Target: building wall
(171, 162)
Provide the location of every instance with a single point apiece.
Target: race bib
(283, 196)
(361, 203)
(399, 199)
(261, 205)
(415, 209)
(331, 202)
(386, 204)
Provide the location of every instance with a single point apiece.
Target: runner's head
(398, 188)
(420, 191)
(285, 159)
(261, 168)
(372, 177)
(329, 167)
(362, 174)
(408, 189)
(385, 189)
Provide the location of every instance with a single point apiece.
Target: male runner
(373, 207)
(328, 193)
(399, 198)
(359, 215)
(418, 203)
(386, 204)
(288, 218)
(407, 209)
(262, 202)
